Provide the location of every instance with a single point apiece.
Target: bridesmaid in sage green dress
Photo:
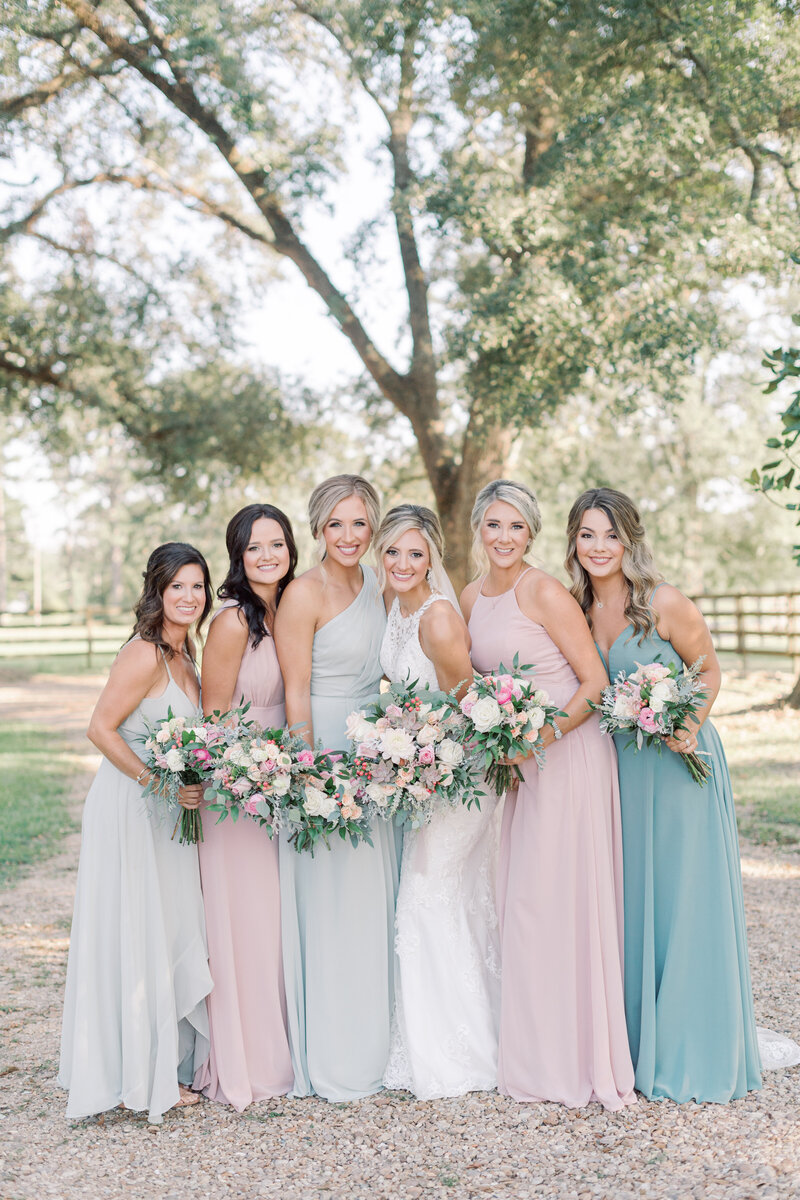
(337, 907)
(688, 995)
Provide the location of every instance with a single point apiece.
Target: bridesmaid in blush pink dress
(563, 1035)
(250, 1057)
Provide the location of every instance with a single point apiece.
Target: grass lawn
(35, 785)
(762, 743)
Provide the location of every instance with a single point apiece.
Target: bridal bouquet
(407, 757)
(322, 802)
(177, 752)
(251, 770)
(652, 703)
(505, 714)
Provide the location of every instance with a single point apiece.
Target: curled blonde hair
(398, 521)
(519, 496)
(638, 565)
(329, 493)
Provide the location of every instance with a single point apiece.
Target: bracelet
(143, 771)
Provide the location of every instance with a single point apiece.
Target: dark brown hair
(235, 585)
(162, 567)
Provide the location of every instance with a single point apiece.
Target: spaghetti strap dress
(249, 1057)
(337, 906)
(688, 995)
(562, 1018)
(135, 1022)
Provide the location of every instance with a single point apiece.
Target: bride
(447, 977)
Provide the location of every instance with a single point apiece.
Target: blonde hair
(398, 521)
(638, 565)
(329, 493)
(519, 497)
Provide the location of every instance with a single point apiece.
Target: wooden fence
(88, 634)
(754, 623)
(744, 623)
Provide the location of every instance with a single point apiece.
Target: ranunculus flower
(306, 758)
(397, 744)
(350, 810)
(504, 688)
(428, 735)
(174, 759)
(486, 713)
(468, 703)
(536, 716)
(380, 793)
(163, 735)
(647, 720)
(449, 753)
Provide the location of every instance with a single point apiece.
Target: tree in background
(566, 184)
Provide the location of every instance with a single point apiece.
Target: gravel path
(389, 1145)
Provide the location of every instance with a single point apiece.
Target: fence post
(88, 637)
(740, 638)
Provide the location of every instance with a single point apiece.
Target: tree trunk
(485, 454)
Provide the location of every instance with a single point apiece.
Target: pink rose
(306, 758)
(504, 688)
(426, 755)
(393, 710)
(647, 720)
(250, 806)
(202, 755)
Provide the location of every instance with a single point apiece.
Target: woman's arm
(548, 602)
(136, 672)
(444, 638)
(295, 625)
(468, 597)
(681, 622)
(222, 658)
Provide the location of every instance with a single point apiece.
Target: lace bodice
(402, 656)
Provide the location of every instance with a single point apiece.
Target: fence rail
(87, 634)
(754, 623)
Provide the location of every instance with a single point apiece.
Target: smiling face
(505, 534)
(184, 596)
(346, 532)
(598, 546)
(266, 558)
(406, 562)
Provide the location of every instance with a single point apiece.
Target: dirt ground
(388, 1145)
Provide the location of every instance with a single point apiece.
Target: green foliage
(33, 811)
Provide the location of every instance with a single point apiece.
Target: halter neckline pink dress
(563, 1035)
(249, 1057)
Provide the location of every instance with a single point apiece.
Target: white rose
(200, 733)
(281, 783)
(259, 754)
(485, 714)
(358, 728)
(284, 760)
(380, 793)
(624, 708)
(397, 744)
(536, 717)
(424, 709)
(175, 759)
(428, 735)
(318, 803)
(449, 753)
(163, 735)
(254, 773)
(662, 691)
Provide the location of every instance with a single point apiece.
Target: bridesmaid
(562, 1018)
(337, 906)
(250, 1057)
(135, 1026)
(687, 978)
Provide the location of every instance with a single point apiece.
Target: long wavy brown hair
(162, 567)
(235, 585)
(638, 565)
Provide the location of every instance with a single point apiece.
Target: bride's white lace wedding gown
(447, 970)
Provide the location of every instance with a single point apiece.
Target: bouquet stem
(503, 777)
(698, 770)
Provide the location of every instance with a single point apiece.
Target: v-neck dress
(249, 1058)
(688, 995)
(337, 906)
(135, 1021)
(562, 1018)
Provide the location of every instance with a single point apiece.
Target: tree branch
(40, 374)
(346, 45)
(102, 65)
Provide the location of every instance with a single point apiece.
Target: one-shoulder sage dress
(688, 997)
(337, 907)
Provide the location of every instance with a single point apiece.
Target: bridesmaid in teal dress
(337, 907)
(688, 995)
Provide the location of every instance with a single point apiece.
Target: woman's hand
(682, 742)
(191, 795)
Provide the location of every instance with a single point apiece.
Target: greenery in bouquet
(176, 753)
(652, 703)
(322, 802)
(408, 757)
(504, 716)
